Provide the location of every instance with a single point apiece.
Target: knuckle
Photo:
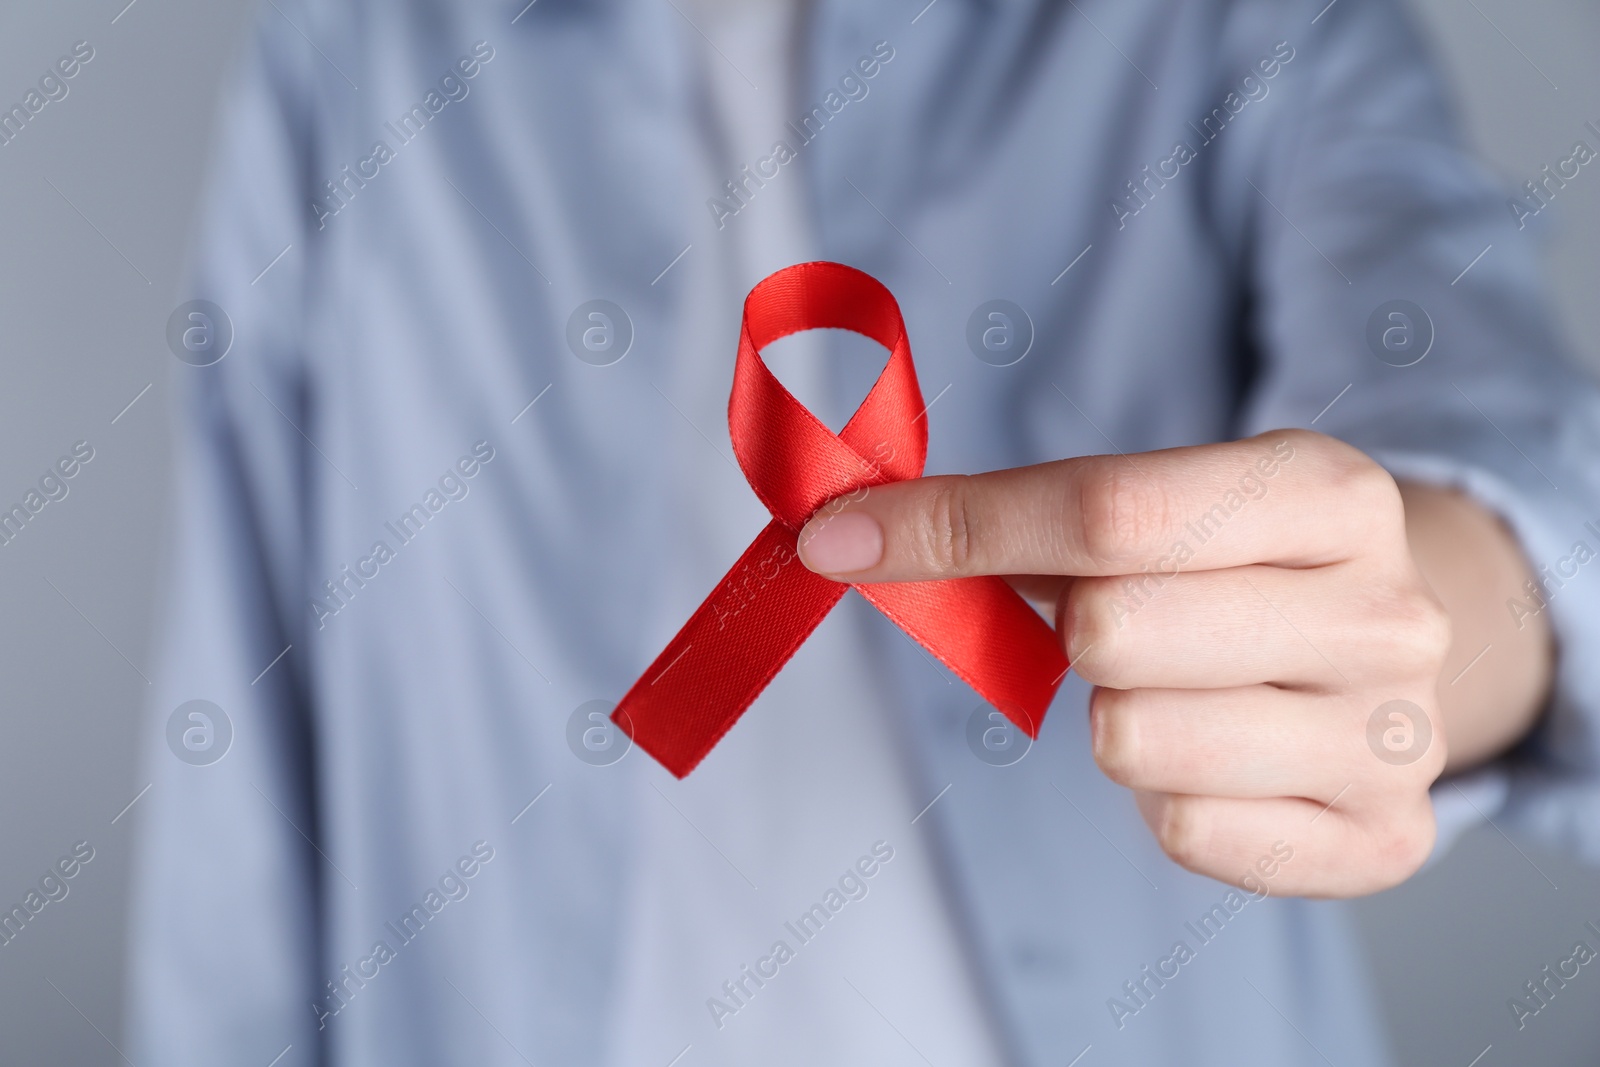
(1314, 443)
(1422, 752)
(1435, 634)
(1115, 734)
(950, 545)
(1373, 487)
(1325, 447)
(1404, 844)
(1426, 770)
(1184, 832)
(1368, 492)
(1091, 626)
(1360, 492)
(1419, 629)
(1120, 510)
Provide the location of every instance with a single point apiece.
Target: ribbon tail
(987, 634)
(755, 619)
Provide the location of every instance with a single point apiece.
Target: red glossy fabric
(769, 603)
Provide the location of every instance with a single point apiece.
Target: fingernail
(841, 544)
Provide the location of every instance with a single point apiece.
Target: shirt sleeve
(223, 960)
(1397, 305)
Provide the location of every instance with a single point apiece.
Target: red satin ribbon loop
(769, 603)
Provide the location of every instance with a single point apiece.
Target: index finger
(1290, 497)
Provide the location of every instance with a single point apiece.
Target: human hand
(1244, 610)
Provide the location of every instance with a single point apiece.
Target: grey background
(87, 280)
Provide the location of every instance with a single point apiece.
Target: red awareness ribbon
(769, 602)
